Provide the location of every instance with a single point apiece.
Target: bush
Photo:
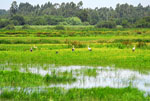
(74, 21)
(119, 26)
(106, 24)
(4, 23)
(10, 27)
(141, 45)
(63, 23)
(59, 27)
(19, 19)
(78, 44)
(26, 27)
(86, 23)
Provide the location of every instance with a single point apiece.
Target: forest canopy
(71, 13)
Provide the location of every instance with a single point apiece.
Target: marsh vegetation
(52, 71)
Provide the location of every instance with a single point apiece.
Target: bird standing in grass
(34, 47)
(90, 49)
(56, 52)
(73, 49)
(133, 49)
(31, 49)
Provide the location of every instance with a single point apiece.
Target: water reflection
(106, 77)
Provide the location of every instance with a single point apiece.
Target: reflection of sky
(5, 4)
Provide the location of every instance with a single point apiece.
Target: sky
(5, 4)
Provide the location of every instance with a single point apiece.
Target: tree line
(70, 13)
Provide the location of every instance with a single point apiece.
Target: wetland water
(106, 77)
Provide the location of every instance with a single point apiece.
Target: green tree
(83, 15)
(106, 24)
(19, 19)
(13, 8)
(74, 21)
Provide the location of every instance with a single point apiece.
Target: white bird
(34, 46)
(73, 49)
(89, 48)
(133, 49)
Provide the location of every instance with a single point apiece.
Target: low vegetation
(93, 94)
(52, 46)
(17, 79)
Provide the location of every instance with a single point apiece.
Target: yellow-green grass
(121, 58)
(62, 40)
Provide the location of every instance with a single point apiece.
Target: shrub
(119, 26)
(141, 45)
(10, 27)
(74, 21)
(3, 23)
(26, 27)
(106, 24)
(59, 27)
(127, 43)
(78, 44)
(19, 19)
(63, 23)
(139, 32)
(86, 23)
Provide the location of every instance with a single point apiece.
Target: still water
(106, 77)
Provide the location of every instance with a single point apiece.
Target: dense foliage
(74, 14)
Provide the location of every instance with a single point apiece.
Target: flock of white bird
(73, 49)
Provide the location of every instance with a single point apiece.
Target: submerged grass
(89, 72)
(58, 79)
(17, 79)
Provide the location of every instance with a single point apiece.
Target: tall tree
(13, 8)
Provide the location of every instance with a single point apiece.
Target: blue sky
(5, 4)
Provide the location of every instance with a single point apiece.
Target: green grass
(121, 58)
(93, 94)
(110, 47)
(89, 72)
(17, 79)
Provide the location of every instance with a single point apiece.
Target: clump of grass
(141, 45)
(26, 27)
(58, 78)
(59, 27)
(90, 72)
(15, 78)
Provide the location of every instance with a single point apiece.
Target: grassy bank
(94, 94)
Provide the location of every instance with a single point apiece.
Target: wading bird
(56, 52)
(31, 49)
(34, 46)
(73, 49)
(133, 49)
(89, 48)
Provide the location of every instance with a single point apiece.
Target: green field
(110, 48)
